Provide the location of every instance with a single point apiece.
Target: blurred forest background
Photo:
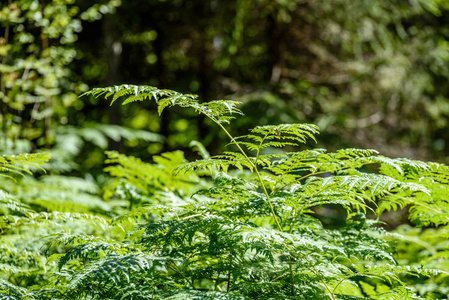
(369, 73)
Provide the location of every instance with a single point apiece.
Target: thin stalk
(322, 280)
(217, 282)
(292, 279)
(305, 176)
(258, 148)
(314, 270)
(174, 268)
(346, 278)
(255, 169)
(292, 224)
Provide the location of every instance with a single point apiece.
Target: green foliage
(246, 224)
(218, 111)
(38, 88)
(22, 163)
(32, 209)
(269, 217)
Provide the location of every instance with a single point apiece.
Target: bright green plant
(246, 224)
(254, 233)
(33, 211)
(19, 164)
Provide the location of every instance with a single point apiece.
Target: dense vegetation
(244, 224)
(175, 196)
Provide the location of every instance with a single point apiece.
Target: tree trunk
(113, 57)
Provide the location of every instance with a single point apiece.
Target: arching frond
(22, 163)
(219, 163)
(10, 291)
(278, 136)
(148, 178)
(220, 111)
(112, 269)
(9, 204)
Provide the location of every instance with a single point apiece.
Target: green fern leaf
(113, 269)
(22, 163)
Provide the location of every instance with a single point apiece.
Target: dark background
(371, 74)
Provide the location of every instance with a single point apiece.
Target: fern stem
(174, 268)
(292, 279)
(324, 282)
(303, 206)
(346, 278)
(258, 148)
(255, 169)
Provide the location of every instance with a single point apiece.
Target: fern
(245, 224)
(11, 292)
(254, 234)
(22, 163)
(9, 204)
(39, 208)
(107, 275)
(141, 183)
(219, 111)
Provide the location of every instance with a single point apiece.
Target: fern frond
(9, 204)
(428, 211)
(145, 212)
(65, 239)
(113, 269)
(297, 132)
(193, 294)
(377, 185)
(220, 111)
(91, 250)
(12, 292)
(436, 172)
(116, 133)
(70, 202)
(134, 216)
(119, 91)
(23, 163)
(224, 179)
(70, 183)
(297, 166)
(277, 136)
(199, 148)
(149, 178)
(217, 163)
(43, 217)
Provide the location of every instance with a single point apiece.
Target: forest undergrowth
(248, 223)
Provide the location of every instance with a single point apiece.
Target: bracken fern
(246, 224)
